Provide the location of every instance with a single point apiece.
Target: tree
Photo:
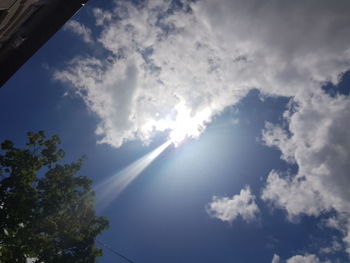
(46, 211)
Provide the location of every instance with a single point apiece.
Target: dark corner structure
(25, 25)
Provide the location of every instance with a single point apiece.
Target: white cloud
(319, 143)
(79, 29)
(228, 209)
(295, 196)
(309, 258)
(205, 60)
(304, 259)
(275, 259)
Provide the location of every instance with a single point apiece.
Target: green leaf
(56, 208)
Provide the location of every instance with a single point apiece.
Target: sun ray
(109, 189)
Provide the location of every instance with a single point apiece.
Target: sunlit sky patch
(109, 189)
(213, 128)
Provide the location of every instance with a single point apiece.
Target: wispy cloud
(308, 258)
(334, 247)
(275, 259)
(79, 29)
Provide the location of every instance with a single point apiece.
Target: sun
(182, 123)
(186, 124)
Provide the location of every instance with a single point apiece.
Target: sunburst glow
(185, 124)
(109, 189)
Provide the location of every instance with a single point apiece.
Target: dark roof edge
(31, 35)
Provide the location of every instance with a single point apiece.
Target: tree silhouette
(46, 212)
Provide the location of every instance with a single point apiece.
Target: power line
(114, 251)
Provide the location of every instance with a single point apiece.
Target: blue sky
(259, 91)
